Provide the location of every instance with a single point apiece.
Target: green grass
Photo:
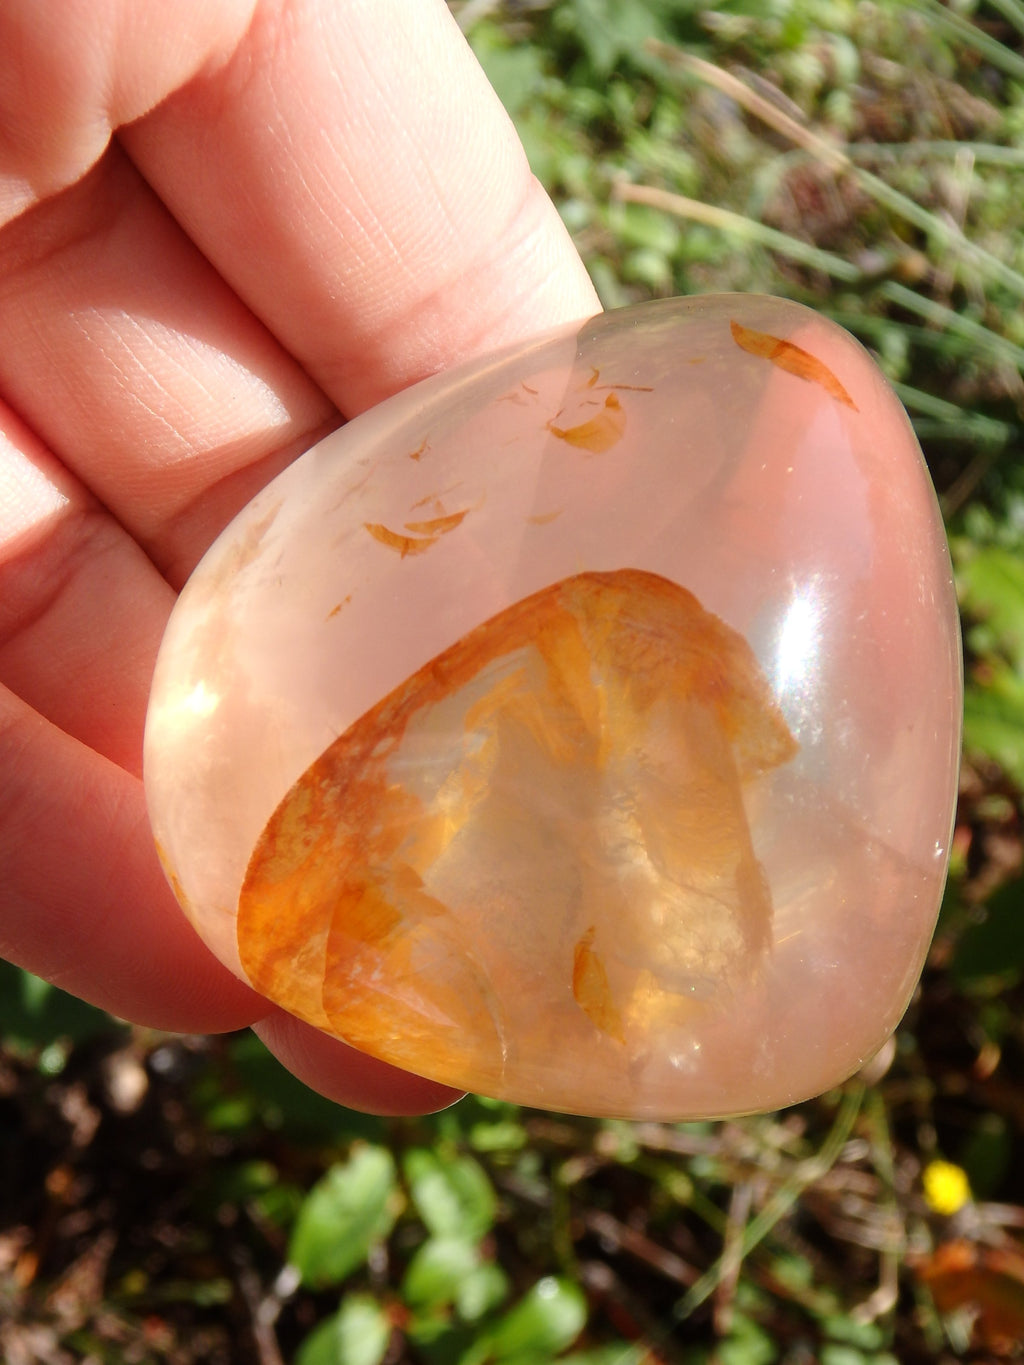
(866, 159)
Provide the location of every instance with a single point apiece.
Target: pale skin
(225, 227)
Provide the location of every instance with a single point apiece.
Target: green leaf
(839, 1355)
(995, 946)
(865, 1336)
(246, 1180)
(516, 71)
(987, 1154)
(610, 29)
(358, 1334)
(637, 225)
(994, 721)
(453, 1196)
(481, 1291)
(282, 1101)
(991, 584)
(353, 1207)
(436, 1270)
(747, 1344)
(548, 1318)
(439, 1341)
(33, 1013)
(485, 1125)
(613, 1353)
(504, 1135)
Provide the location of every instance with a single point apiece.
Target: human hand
(224, 226)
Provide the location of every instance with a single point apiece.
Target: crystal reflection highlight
(797, 651)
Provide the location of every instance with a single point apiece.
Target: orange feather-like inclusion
(538, 840)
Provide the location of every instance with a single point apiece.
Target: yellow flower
(946, 1188)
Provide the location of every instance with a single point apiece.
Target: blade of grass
(939, 315)
(941, 231)
(963, 486)
(821, 148)
(884, 1297)
(875, 325)
(964, 31)
(984, 153)
(1012, 11)
(948, 416)
(697, 211)
(775, 1209)
(750, 230)
(781, 1201)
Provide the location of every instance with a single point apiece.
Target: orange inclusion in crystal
(437, 526)
(394, 540)
(425, 533)
(539, 836)
(791, 358)
(597, 434)
(591, 990)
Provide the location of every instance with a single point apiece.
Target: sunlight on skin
(27, 497)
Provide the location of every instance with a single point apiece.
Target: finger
(69, 77)
(351, 173)
(85, 903)
(140, 368)
(86, 906)
(347, 1076)
(120, 310)
(82, 609)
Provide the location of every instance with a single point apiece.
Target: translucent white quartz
(581, 727)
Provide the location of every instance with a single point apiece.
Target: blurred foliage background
(183, 1200)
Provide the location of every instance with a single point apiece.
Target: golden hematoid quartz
(581, 727)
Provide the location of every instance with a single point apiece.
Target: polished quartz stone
(581, 727)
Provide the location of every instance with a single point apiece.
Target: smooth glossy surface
(582, 727)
